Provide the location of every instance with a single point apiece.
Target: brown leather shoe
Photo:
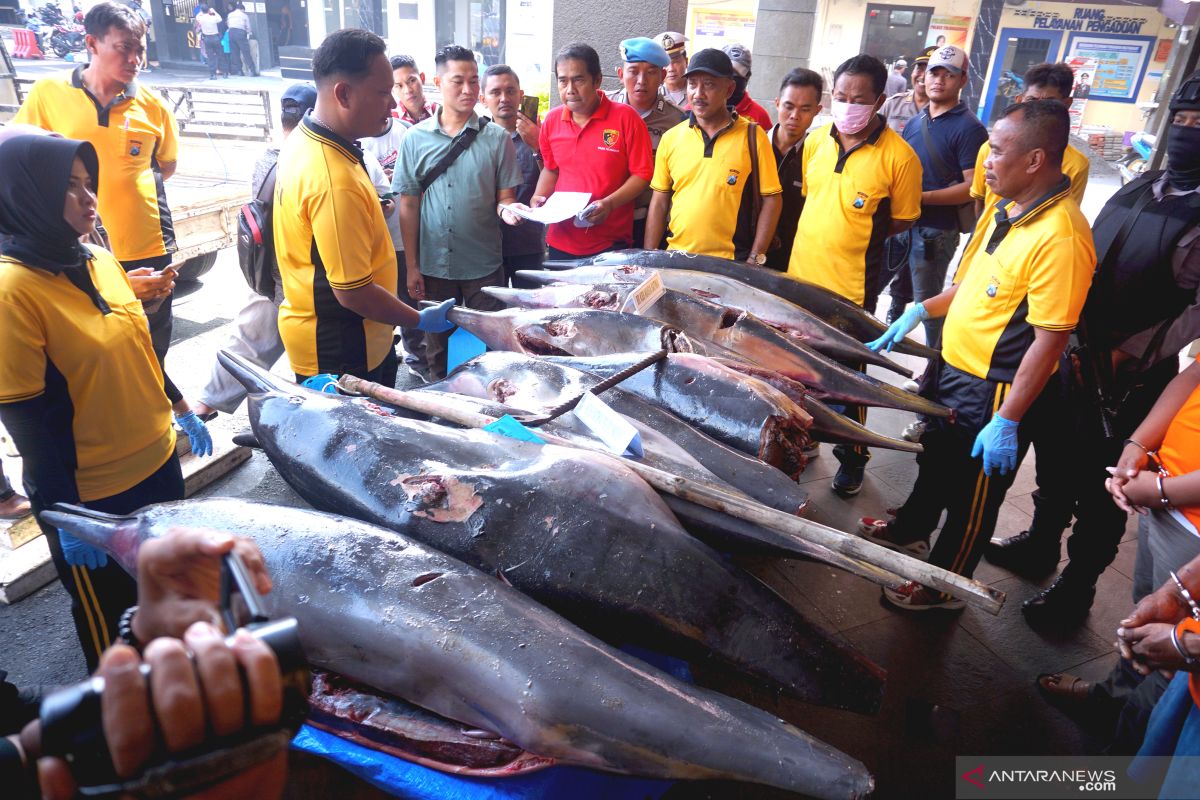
(1064, 688)
(14, 507)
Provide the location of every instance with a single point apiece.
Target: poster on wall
(945, 30)
(1085, 73)
(1121, 62)
(719, 28)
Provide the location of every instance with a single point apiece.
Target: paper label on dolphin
(612, 429)
(440, 498)
(646, 295)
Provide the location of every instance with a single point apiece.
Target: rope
(604, 385)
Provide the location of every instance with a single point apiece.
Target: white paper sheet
(558, 207)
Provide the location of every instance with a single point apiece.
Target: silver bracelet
(1188, 660)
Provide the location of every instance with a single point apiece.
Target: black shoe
(1064, 604)
(848, 480)
(893, 314)
(1024, 554)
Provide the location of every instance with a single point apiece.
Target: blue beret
(643, 49)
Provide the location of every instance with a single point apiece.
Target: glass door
(893, 32)
(1017, 50)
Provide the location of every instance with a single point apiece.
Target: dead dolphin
(726, 399)
(540, 384)
(575, 530)
(829, 306)
(791, 319)
(753, 341)
(779, 433)
(399, 616)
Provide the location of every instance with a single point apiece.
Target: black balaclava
(1183, 142)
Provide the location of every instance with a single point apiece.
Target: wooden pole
(714, 497)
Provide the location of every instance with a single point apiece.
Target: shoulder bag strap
(460, 145)
(939, 165)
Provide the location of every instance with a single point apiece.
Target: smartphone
(529, 107)
(169, 270)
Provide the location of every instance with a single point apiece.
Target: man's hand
(997, 445)
(913, 316)
(179, 580)
(1133, 493)
(529, 131)
(183, 701)
(600, 209)
(416, 284)
(147, 285)
(1161, 605)
(510, 218)
(1150, 648)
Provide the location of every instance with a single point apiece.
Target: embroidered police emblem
(860, 201)
(992, 288)
(135, 148)
(610, 137)
(733, 177)
(668, 41)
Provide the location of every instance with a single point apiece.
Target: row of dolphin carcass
(453, 603)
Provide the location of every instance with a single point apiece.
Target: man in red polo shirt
(591, 145)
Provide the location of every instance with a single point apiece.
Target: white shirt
(386, 149)
(209, 22)
(238, 19)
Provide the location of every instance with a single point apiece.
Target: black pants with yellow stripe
(950, 480)
(100, 596)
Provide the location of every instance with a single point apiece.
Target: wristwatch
(758, 258)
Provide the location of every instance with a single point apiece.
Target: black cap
(1187, 96)
(712, 61)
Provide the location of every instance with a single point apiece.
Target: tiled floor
(958, 684)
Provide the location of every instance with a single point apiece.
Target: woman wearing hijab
(81, 391)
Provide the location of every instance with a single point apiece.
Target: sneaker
(915, 430)
(880, 532)
(910, 385)
(848, 480)
(912, 596)
(1024, 554)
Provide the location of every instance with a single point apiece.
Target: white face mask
(851, 117)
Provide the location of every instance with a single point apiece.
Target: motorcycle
(1134, 162)
(67, 38)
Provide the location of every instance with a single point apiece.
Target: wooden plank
(200, 472)
(21, 532)
(24, 571)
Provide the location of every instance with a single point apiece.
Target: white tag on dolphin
(610, 427)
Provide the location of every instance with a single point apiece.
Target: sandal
(1064, 687)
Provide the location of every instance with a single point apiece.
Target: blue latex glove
(997, 443)
(322, 383)
(80, 554)
(913, 316)
(197, 433)
(433, 319)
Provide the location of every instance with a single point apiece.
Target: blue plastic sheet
(406, 779)
(462, 346)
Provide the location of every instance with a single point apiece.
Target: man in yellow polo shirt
(332, 244)
(136, 138)
(1016, 298)
(1042, 82)
(862, 184)
(704, 177)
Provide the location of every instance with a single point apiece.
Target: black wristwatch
(125, 633)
